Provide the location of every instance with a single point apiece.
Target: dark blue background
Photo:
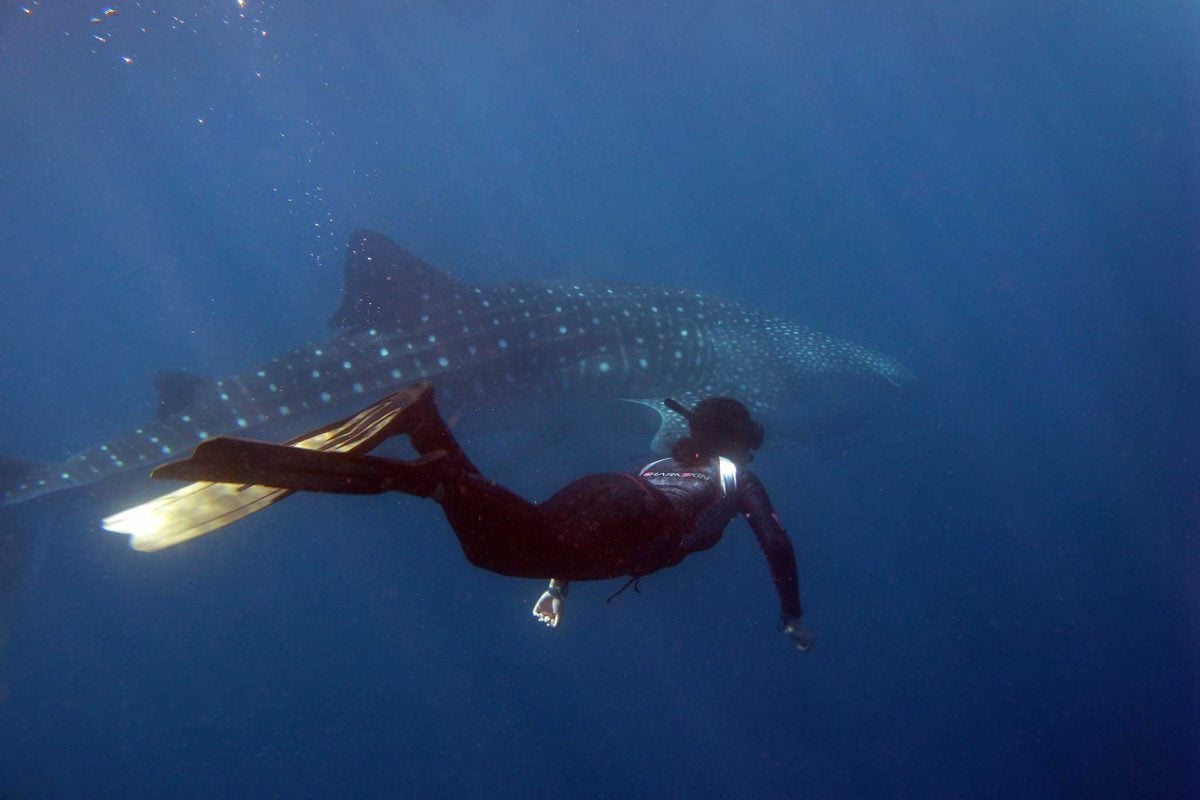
(1003, 585)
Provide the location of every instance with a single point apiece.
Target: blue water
(1002, 580)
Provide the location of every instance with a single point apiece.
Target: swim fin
(227, 459)
(203, 507)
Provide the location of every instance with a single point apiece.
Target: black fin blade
(386, 285)
(176, 391)
(227, 459)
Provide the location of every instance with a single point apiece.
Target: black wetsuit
(612, 525)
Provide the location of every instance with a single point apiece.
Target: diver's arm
(755, 504)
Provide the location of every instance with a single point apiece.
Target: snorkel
(678, 407)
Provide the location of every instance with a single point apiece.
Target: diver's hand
(801, 637)
(548, 608)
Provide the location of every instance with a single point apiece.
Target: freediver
(600, 526)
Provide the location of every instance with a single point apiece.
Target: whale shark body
(402, 320)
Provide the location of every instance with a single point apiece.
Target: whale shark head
(803, 382)
(841, 387)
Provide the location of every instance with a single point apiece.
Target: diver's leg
(597, 527)
(429, 433)
(497, 529)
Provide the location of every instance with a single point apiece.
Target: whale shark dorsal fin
(671, 426)
(386, 285)
(176, 391)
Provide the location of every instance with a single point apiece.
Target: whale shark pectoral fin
(671, 425)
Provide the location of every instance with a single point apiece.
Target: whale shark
(402, 320)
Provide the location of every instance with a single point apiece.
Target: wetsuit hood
(721, 425)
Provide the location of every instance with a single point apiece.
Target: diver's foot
(548, 608)
(410, 407)
(417, 415)
(425, 476)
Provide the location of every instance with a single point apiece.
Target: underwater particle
(127, 59)
(109, 12)
(241, 3)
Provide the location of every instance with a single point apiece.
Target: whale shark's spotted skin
(404, 321)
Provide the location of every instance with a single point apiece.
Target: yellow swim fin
(203, 507)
